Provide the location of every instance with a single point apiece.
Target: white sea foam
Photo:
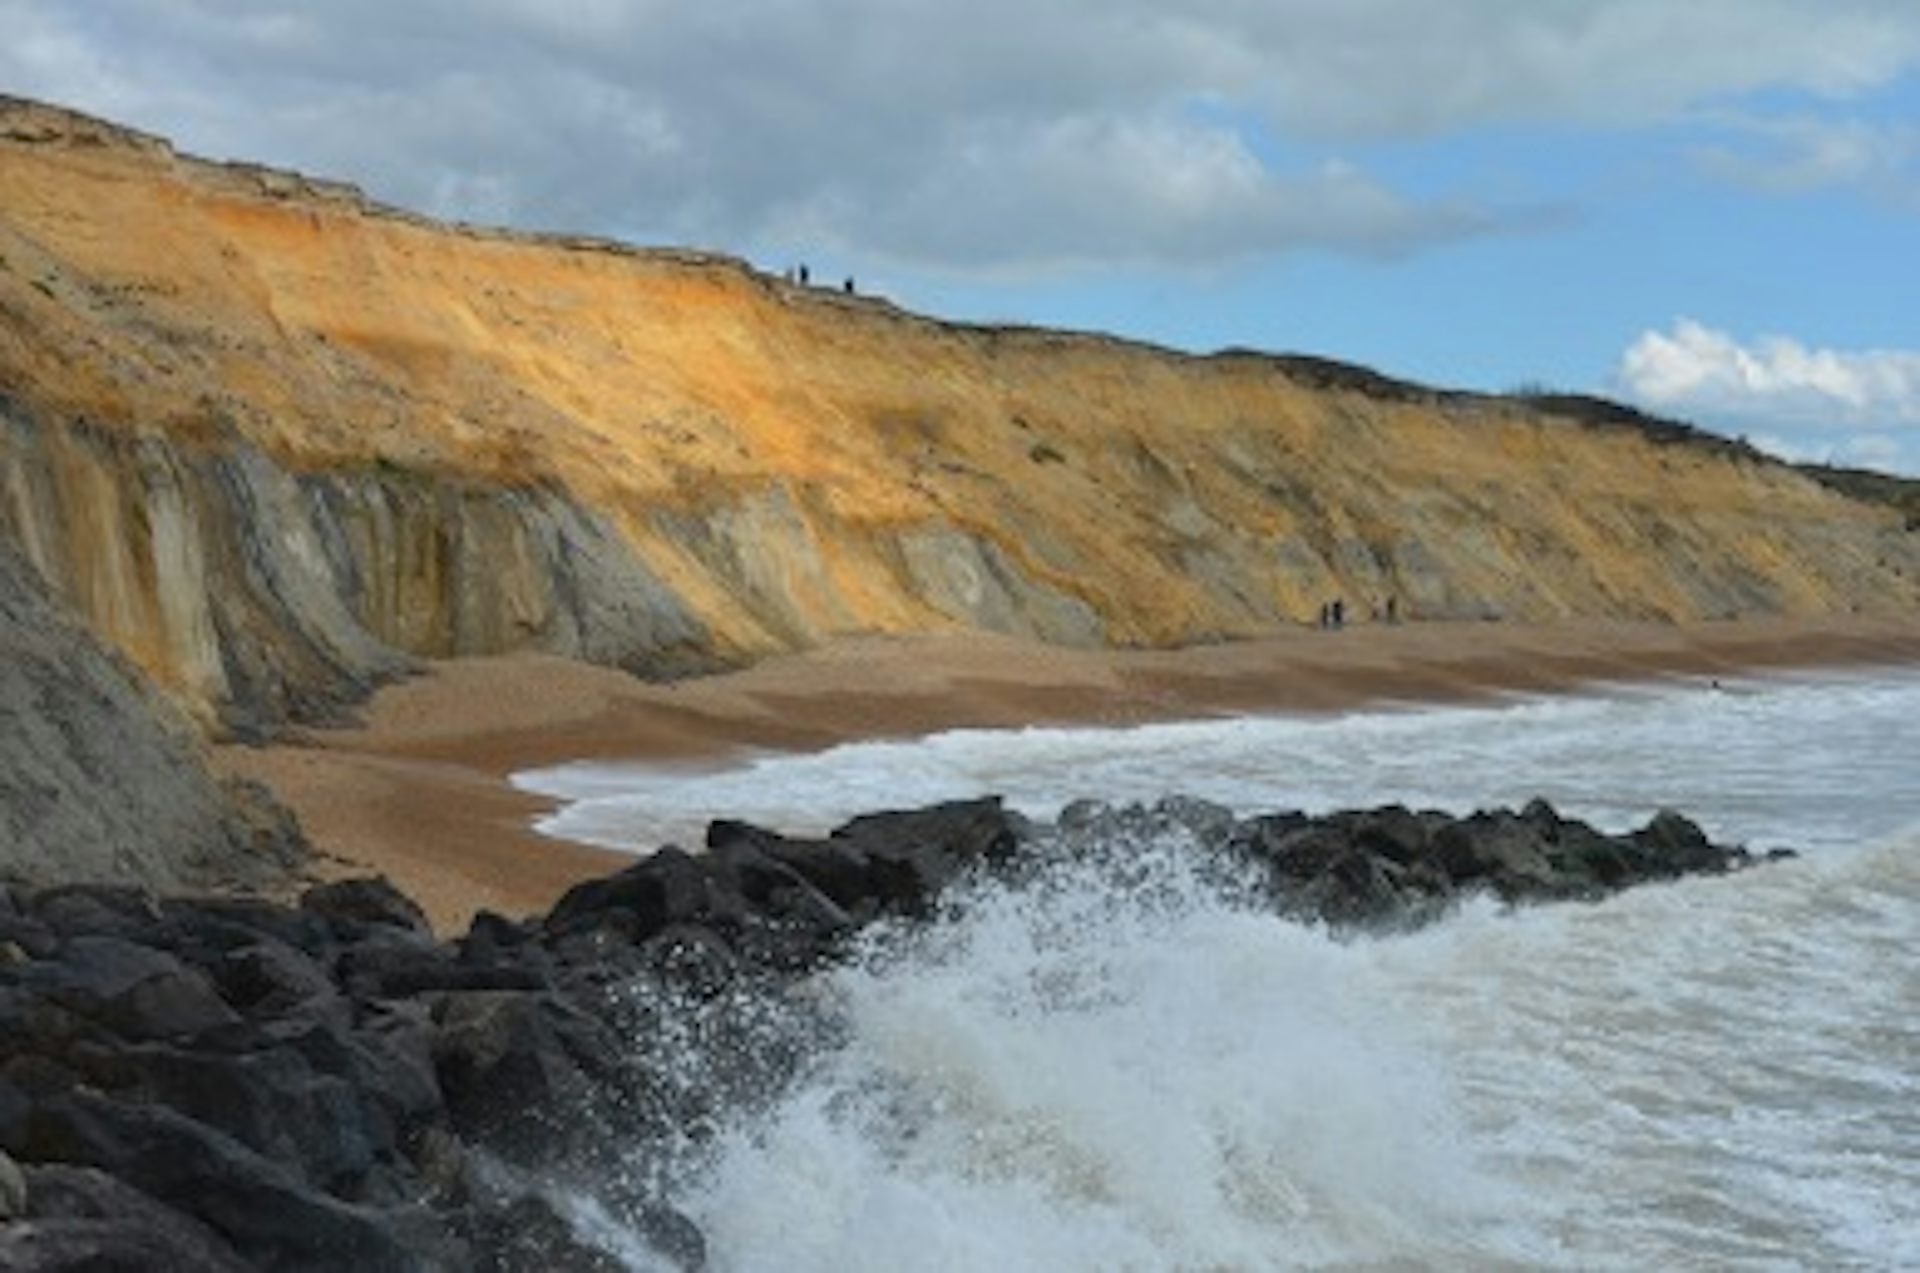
(1080, 1076)
(1721, 1073)
(1090, 1074)
(1808, 762)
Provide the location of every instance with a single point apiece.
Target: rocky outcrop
(100, 779)
(231, 1084)
(1394, 868)
(273, 441)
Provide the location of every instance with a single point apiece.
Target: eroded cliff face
(258, 594)
(274, 442)
(103, 781)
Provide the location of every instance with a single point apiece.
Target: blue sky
(1711, 209)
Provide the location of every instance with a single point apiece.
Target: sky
(1707, 208)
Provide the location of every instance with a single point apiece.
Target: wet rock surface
(218, 1083)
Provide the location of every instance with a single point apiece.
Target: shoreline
(420, 791)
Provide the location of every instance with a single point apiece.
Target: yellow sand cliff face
(790, 464)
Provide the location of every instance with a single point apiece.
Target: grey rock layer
(99, 779)
(270, 597)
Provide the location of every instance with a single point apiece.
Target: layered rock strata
(274, 440)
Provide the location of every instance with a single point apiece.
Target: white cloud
(1865, 450)
(1872, 450)
(1696, 369)
(1792, 450)
(1805, 154)
(1098, 191)
(999, 134)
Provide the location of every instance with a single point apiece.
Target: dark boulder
(132, 990)
(670, 887)
(260, 1206)
(271, 978)
(402, 970)
(248, 920)
(371, 901)
(387, 1056)
(1503, 852)
(229, 1083)
(271, 1100)
(1674, 845)
(1392, 867)
(511, 1064)
(96, 909)
(893, 862)
(81, 1218)
(914, 854)
(13, 1189)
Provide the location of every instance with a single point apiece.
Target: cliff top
(30, 123)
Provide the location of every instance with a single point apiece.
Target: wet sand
(420, 790)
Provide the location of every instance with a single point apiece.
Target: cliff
(101, 780)
(274, 441)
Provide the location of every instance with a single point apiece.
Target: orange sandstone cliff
(274, 441)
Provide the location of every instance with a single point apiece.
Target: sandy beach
(420, 790)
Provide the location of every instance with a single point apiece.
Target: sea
(1140, 1071)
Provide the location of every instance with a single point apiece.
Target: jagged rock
(331, 1131)
(510, 1062)
(259, 1205)
(320, 1086)
(81, 1218)
(911, 855)
(247, 920)
(369, 900)
(269, 978)
(135, 991)
(96, 909)
(386, 1057)
(670, 887)
(13, 1189)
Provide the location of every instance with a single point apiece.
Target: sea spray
(1124, 1061)
(1711, 1073)
(1117, 1063)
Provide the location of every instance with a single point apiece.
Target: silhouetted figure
(1339, 613)
(803, 276)
(1393, 610)
(848, 285)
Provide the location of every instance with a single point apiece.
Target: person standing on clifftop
(803, 276)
